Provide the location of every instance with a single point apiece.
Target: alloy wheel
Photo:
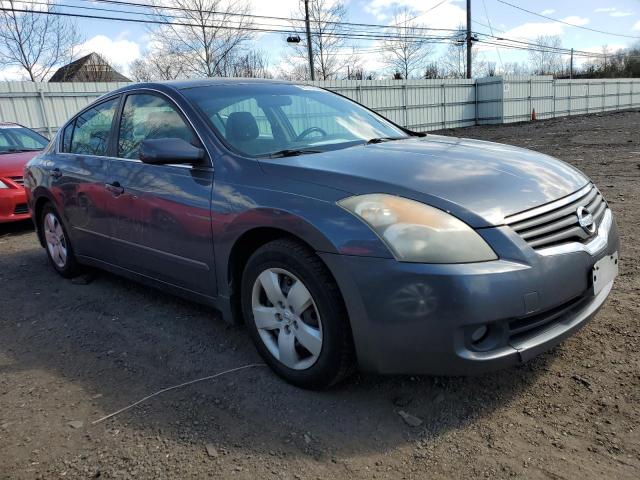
(56, 242)
(287, 318)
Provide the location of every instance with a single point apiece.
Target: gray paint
(175, 227)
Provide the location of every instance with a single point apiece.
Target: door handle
(114, 188)
(55, 173)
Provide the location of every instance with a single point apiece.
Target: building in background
(90, 68)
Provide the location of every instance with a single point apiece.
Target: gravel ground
(72, 352)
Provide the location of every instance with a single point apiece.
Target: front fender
(319, 223)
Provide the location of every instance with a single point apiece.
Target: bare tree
(408, 52)
(35, 39)
(546, 59)
(515, 68)
(454, 59)
(327, 47)
(157, 64)
(216, 31)
(252, 64)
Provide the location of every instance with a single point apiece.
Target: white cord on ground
(252, 365)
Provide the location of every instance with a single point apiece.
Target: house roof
(80, 71)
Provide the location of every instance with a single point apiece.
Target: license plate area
(604, 271)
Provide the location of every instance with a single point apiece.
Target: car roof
(10, 124)
(203, 82)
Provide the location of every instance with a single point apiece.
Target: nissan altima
(340, 239)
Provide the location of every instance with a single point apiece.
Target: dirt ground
(71, 353)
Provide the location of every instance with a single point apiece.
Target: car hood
(12, 164)
(483, 182)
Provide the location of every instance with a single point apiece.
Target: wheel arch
(256, 229)
(41, 199)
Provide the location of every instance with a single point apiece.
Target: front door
(78, 181)
(162, 226)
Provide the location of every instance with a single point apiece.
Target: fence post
(444, 105)
(406, 104)
(475, 99)
(530, 97)
(587, 96)
(44, 112)
(553, 89)
(618, 95)
(569, 103)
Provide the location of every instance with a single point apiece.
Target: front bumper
(412, 318)
(13, 205)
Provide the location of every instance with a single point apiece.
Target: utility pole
(309, 47)
(469, 41)
(571, 65)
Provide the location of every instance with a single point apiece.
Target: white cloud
(119, 52)
(636, 26)
(548, 11)
(447, 15)
(618, 13)
(280, 8)
(575, 20)
(613, 12)
(534, 29)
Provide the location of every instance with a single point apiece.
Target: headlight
(3, 185)
(415, 232)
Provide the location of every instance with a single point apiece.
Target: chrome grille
(557, 222)
(17, 180)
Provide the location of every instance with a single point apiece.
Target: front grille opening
(18, 180)
(21, 209)
(531, 325)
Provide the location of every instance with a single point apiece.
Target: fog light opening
(479, 334)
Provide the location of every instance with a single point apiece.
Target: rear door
(79, 177)
(163, 224)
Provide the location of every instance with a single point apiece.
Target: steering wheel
(309, 131)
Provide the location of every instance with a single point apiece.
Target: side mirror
(161, 151)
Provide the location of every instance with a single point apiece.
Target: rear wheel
(296, 315)
(59, 249)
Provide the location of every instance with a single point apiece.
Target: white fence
(417, 104)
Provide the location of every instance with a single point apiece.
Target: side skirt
(219, 303)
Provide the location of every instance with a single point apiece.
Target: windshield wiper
(383, 139)
(288, 153)
(11, 150)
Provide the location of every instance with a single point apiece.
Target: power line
(355, 35)
(287, 19)
(567, 23)
(486, 13)
(260, 27)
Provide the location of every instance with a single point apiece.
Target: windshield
(20, 139)
(261, 120)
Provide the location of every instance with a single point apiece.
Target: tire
(293, 267)
(61, 258)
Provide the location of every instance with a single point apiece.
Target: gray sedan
(339, 238)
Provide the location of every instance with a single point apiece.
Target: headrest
(241, 126)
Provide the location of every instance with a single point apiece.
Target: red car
(18, 145)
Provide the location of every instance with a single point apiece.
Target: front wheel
(296, 315)
(57, 243)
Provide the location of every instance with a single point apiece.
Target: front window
(264, 119)
(147, 116)
(20, 139)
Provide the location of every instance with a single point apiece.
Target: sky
(121, 43)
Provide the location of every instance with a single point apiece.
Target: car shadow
(16, 228)
(120, 341)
